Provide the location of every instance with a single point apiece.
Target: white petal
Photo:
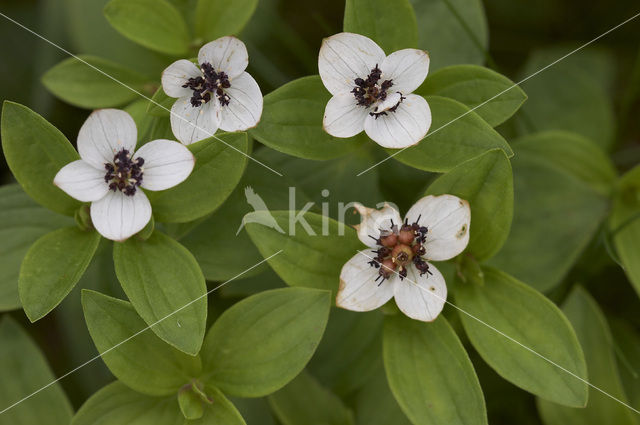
(421, 297)
(404, 127)
(344, 57)
(359, 290)
(105, 133)
(343, 117)
(245, 104)
(191, 124)
(82, 181)
(447, 219)
(166, 164)
(118, 216)
(374, 220)
(227, 54)
(176, 75)
(407, 68)
(389, 103)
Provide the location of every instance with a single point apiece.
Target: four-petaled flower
(110, 175)
(435, 228)
(372, 92)
(218, 94)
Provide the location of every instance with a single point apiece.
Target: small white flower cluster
(111, 173)
(371, 92)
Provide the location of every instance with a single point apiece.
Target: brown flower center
(399, 247)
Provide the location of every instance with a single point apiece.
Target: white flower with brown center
(111, 175)
(372, 91)
(436, 228)
(216, 94)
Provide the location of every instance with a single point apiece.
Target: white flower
(110, 174)
(218, 94)
(435, 228)
(372, 92)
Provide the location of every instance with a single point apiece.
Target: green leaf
(599, 61)
(595, 337)
(150, 127)
(143, 121)
(90, 33)
(52, 267)
(166, 287)
(131, 351)
(430, 373)
(217, 18)
(456, 135)
(24, 370)
(191, 404)
(22, 222)
(254, 410)
(116, 404)
(160, 104)
(469, 270)
(324, 181)
(219, 411)
(218, 255)
(292, 122)
(486, 182)
(305, 401)
(400, 184)
(261, 343)
(374, 404)
(310, 257)
(35, 151)
(474, 85)
(79, 84)
(627, 344)
(155, 24)
(588, 162)
(349, 352)
(69, 316)
(552, 208)
(452, 31)
(218, 169)
(522, 313)
(625, 225)
(243, 287)
(390, 23)
(580, 104)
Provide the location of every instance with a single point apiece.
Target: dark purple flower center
(210, 83)
(125, 173)
(399, 247)
(370, 91)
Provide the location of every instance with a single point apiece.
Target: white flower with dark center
(111, 175)
(436, 228)
(372, 91)
(217, 94)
